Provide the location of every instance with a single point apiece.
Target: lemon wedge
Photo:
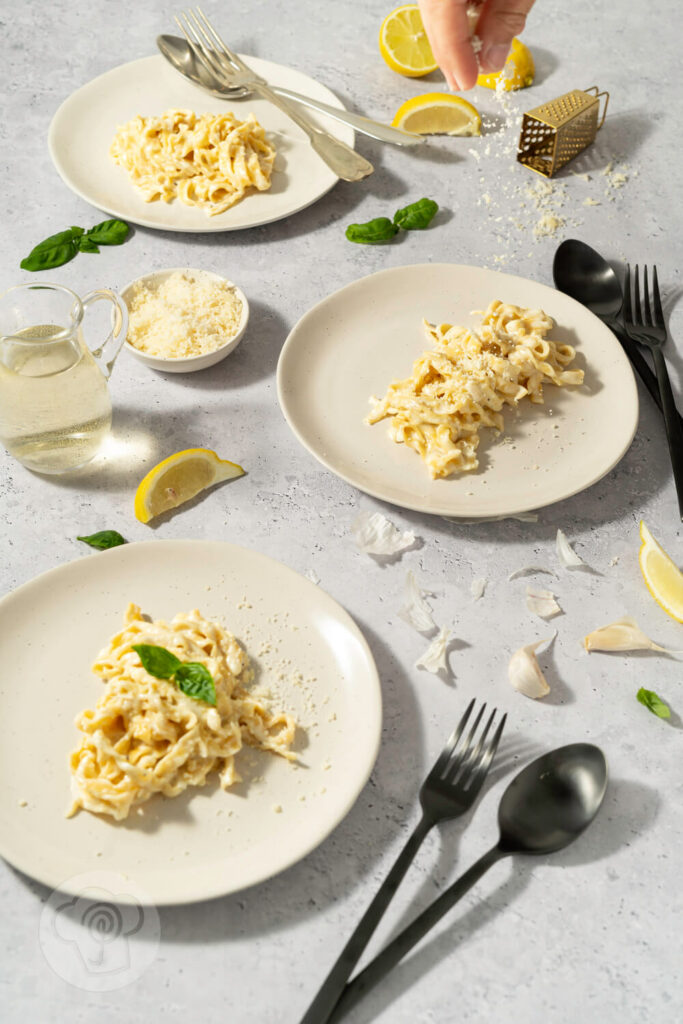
(179, 478)
(438, 113)
(403, 42)
(517, 72)
(662, 578)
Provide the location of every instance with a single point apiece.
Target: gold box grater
(555, 132)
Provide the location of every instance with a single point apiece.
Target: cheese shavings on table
(464, 380)
(204, 160)
(186, 315)
(145, 736)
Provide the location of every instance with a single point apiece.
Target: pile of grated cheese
(186, 315)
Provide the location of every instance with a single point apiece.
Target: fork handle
(331, 989)
(340, 158)
(674, 431)
(396, 950)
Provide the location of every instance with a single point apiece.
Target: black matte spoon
(582, 273)
(545, 808)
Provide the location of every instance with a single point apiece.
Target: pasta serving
(204, 160)
(146, 736)
(466, 378)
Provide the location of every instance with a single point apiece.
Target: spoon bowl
(582, 273)
(552, 800)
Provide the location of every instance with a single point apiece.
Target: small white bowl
(186, 364)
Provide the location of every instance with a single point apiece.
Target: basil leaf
(86, 244)
(157, 660)
(195, 680)
(53, 251)
(374, 232)
(103, 540)
(417, 216)
(653, 703)
(109, 232)
(76, 232)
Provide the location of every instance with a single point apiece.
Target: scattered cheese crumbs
(23, 803)
(244, 603)
(188, 314)
(375, 535)
(434, 658)
(615, 560)
(277, 808)
(591, 202)
(477, 587)
(548, 225)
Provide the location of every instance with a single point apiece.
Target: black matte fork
(646, 326)
(449, 790)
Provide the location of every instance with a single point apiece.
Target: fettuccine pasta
(145, 736)
(462, 383)
(203, 160)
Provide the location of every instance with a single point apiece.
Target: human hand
(448, 29)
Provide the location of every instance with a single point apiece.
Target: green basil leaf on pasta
(157, 660)
(109, 232)
(195, 680)
(374, 232)
(416, 216)
(104, 539)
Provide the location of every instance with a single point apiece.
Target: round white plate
(82, 130)
(205, 842)
(355, 342)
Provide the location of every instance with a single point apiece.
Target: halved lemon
(438, 113)
(662, 577)
(517, 72)
(403, 42)
(179, 478)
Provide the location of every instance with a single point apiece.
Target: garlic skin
(529, 570)
(542, 603)
(565, 552)
(434, 658)
(477, 587)
(416, 612)
(374, 534)
(525, 674)
(623, 635)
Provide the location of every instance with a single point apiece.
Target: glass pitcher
(55, 409)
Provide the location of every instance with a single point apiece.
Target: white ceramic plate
(353, 343)
(85, 124)
(205, 842)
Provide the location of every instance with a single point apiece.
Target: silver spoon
(178, 53)
(545, 808)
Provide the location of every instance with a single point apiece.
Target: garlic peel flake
(565, 552)
(542, 603)
(477, 587)
(416, 612)
(524, 672)
(434, 658)
(623, 635)
(374, 534)
(529, 570)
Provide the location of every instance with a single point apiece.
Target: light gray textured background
(591, 935)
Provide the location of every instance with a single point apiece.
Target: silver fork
(208, 48)
(646, 326)
(449, 790)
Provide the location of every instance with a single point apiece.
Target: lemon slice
(179, 478)
(662, 578)
(403, 42)
(517, 72)
(438, 113)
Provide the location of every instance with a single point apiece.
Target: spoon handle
(405, 941)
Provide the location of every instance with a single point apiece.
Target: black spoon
(545, 808)
(582, 273)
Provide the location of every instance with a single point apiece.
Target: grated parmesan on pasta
(462, 383)
(146, 736)
(205, 160)
(186, 315)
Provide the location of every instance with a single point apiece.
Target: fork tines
(467, 762)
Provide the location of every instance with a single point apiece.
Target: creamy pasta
(204, 160)
(466, 378)
(145, 736)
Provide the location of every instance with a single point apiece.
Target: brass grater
(555, 132)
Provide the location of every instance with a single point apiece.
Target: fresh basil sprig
(373, 232)
(653, 703)
(104, 539)
(416, 216)
(191, 677)
(62, 247)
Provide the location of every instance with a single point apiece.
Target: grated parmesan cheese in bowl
(182, 319)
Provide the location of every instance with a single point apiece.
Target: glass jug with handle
(55, 409)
